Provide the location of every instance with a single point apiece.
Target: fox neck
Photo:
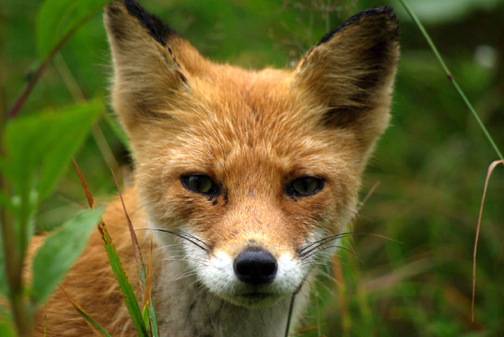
(185, 307)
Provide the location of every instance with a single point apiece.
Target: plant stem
(450, 77)
(14, 269)
(24, 95)
(13, 262)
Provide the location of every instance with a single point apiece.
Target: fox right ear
(151, 64)
(350, 73)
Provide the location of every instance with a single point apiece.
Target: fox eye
(304, 186)
(200, 184)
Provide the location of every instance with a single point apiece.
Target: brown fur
(253, 132)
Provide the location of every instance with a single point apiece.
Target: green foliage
(60, 251)
(34, 152)
(40, 146)
(6, 329)
(57, 19)
(3, 276)
(449, 10)
(122, 279)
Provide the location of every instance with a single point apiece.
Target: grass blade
(122, 279)
(148, 308)
(291, 308)
(316, 327)
(489, 173)
(97, 329)
(89, 197)
(134, 240)
(151, 312)
(118, 269)
(449, 75)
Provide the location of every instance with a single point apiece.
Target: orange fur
(253, 133)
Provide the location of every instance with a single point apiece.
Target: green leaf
(6, 329)
(60, 251)
(122, 279)
(44, 143)
(58, 19)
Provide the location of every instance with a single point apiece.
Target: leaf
(60, 251)
(122, 279)
(58, 19)
(90, 321)
(40, 146)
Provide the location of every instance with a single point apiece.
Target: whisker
(313, 246)
(340, 247)
(186, 236)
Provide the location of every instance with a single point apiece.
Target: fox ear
(350, 73)
(151, 63)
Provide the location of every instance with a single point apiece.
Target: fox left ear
(153, 66)
(350, 73)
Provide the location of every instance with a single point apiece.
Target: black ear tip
(154, 26)
(384, 11)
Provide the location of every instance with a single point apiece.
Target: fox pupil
(199, 183)
(305, 186)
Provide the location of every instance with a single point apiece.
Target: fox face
(249, 177)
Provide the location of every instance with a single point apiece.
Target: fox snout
(255, 266)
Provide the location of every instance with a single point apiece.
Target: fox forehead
(241, 120)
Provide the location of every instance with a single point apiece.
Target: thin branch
(26, 92)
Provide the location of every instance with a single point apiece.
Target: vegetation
(431, 163)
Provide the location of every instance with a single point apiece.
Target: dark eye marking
(304, 186)
(201, 184)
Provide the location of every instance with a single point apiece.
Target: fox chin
(244, 180)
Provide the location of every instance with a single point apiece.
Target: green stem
(13, 260)
(450, 77)
(13, 269)
(291, 308)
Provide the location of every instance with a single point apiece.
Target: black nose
(255, 266)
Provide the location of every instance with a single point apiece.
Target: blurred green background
(431, 163)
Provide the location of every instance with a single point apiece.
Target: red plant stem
(24, 95)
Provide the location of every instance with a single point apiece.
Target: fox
(244, 180)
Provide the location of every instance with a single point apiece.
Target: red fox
(257, 172)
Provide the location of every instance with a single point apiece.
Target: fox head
(255, 172)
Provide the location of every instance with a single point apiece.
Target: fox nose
(255, 266)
